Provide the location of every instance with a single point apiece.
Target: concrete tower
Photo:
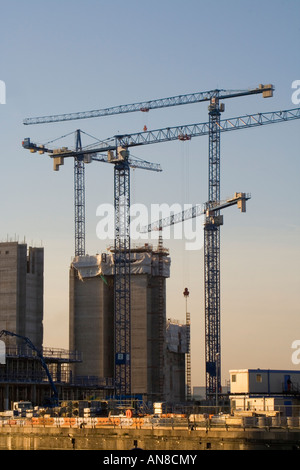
(22, 291)
(92, 317)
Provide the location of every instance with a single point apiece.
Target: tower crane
(211, 210)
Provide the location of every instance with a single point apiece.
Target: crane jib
(145, 106)
(180, 132)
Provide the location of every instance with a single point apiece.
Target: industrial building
(92, 323)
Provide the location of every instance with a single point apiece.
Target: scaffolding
(188, 354)
(23, 365)
(22, 377)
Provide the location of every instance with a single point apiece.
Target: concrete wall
(139, 336)
(175, 377)
(156, 338)
(35, 296)
(116, 439)
(9, 287)
(91, 328)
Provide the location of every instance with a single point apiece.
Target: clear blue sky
(67, 56)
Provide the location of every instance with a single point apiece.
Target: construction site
(125, 380)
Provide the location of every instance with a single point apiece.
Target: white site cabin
(264, 390)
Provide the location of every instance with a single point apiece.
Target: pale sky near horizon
(70, 56)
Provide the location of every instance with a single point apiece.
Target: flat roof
(265, 370)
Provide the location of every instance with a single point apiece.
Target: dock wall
(119, 439)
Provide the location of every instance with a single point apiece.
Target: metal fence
(150, 422)
(24, 351)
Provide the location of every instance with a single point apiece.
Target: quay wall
(30, 437)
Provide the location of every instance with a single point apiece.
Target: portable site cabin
(264, 390)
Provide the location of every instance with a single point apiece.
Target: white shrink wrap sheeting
(103, 265)
(176, 337)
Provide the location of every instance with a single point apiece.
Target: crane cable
(185, 199)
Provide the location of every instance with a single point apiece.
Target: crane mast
(79, 198)
(212, 256)
(122, 298)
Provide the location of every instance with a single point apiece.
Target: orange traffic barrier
(49, 421)
(102, 421)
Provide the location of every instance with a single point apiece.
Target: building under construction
(22, 291)
(157, 359)
(25, 365)
(23, 377)
(30, 371)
